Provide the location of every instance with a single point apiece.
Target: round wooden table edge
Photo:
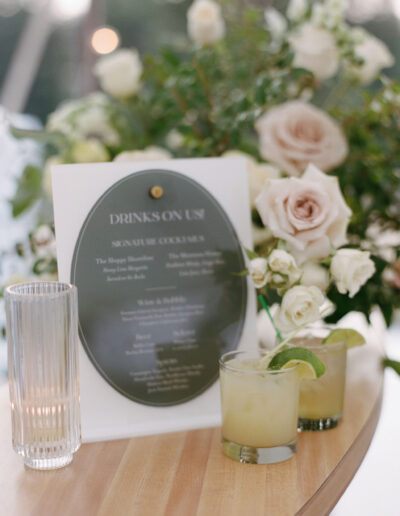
(328, 494)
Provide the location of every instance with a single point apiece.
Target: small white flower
(315, 49)
(151, 153)
(205, 22)
(284, 263)
(300, 306)
(44, 242)
(276, 22)
(258, 272)
(258, 173)
(174, 139)
(314, 274)
(351, 269)
(119, 73)
(296, 9)
(376, 56)
(89, 151)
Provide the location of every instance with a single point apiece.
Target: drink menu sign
(155, 254)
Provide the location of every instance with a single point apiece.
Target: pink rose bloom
(296, 133)
(309, 213)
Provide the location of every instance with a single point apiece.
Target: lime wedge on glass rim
(309, 365)
(352, 338)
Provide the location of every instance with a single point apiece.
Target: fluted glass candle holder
(42, 335)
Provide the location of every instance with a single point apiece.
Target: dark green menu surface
(158, 298)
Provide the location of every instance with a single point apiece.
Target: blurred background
(48, 47)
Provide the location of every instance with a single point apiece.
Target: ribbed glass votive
(42, 335)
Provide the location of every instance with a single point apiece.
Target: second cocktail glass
(322, 399)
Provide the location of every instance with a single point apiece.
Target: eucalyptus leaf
(29, 189)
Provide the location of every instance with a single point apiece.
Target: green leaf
(44, 265)
(38, 135)
(244, 272)
(251, 254)
(29, 189)
(394, 364)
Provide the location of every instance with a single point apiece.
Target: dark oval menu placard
(158, 298)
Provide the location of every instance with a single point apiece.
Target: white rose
(89, 151)
(296, 133)
(351, 268)
(282, 262)
(315, 49)
(296, 9)
(47, 187)
(309, 213)
(315, 275)
(205, 22)
(84, 118)
(258, 271)
(376, 56)
(93, 122)
(300, 306)
(151, 153)
(258, 173)
(276, 22)
(119, 73)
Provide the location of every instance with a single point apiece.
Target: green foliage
(370, 176)
(29, 189)
(393, 364)
(212, 95)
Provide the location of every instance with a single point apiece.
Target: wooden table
(186, 473)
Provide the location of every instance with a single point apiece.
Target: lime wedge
(309, 365)
(351, 337)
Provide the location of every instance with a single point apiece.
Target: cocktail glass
(321, 400)
(259, 409)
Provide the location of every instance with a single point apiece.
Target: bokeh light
(105, 40)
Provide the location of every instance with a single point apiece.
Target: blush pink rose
(309, 213)
(296, 133)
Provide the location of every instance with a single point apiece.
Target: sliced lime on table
(309, 365)
(352, 338)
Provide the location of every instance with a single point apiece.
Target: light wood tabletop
(186, 473)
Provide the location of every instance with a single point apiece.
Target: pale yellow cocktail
(321, 400)
(259, 409)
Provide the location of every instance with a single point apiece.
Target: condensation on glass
(42, 335)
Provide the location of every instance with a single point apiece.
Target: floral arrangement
(308, 217)
(289, 92)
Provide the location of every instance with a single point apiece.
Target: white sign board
(153, 248)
